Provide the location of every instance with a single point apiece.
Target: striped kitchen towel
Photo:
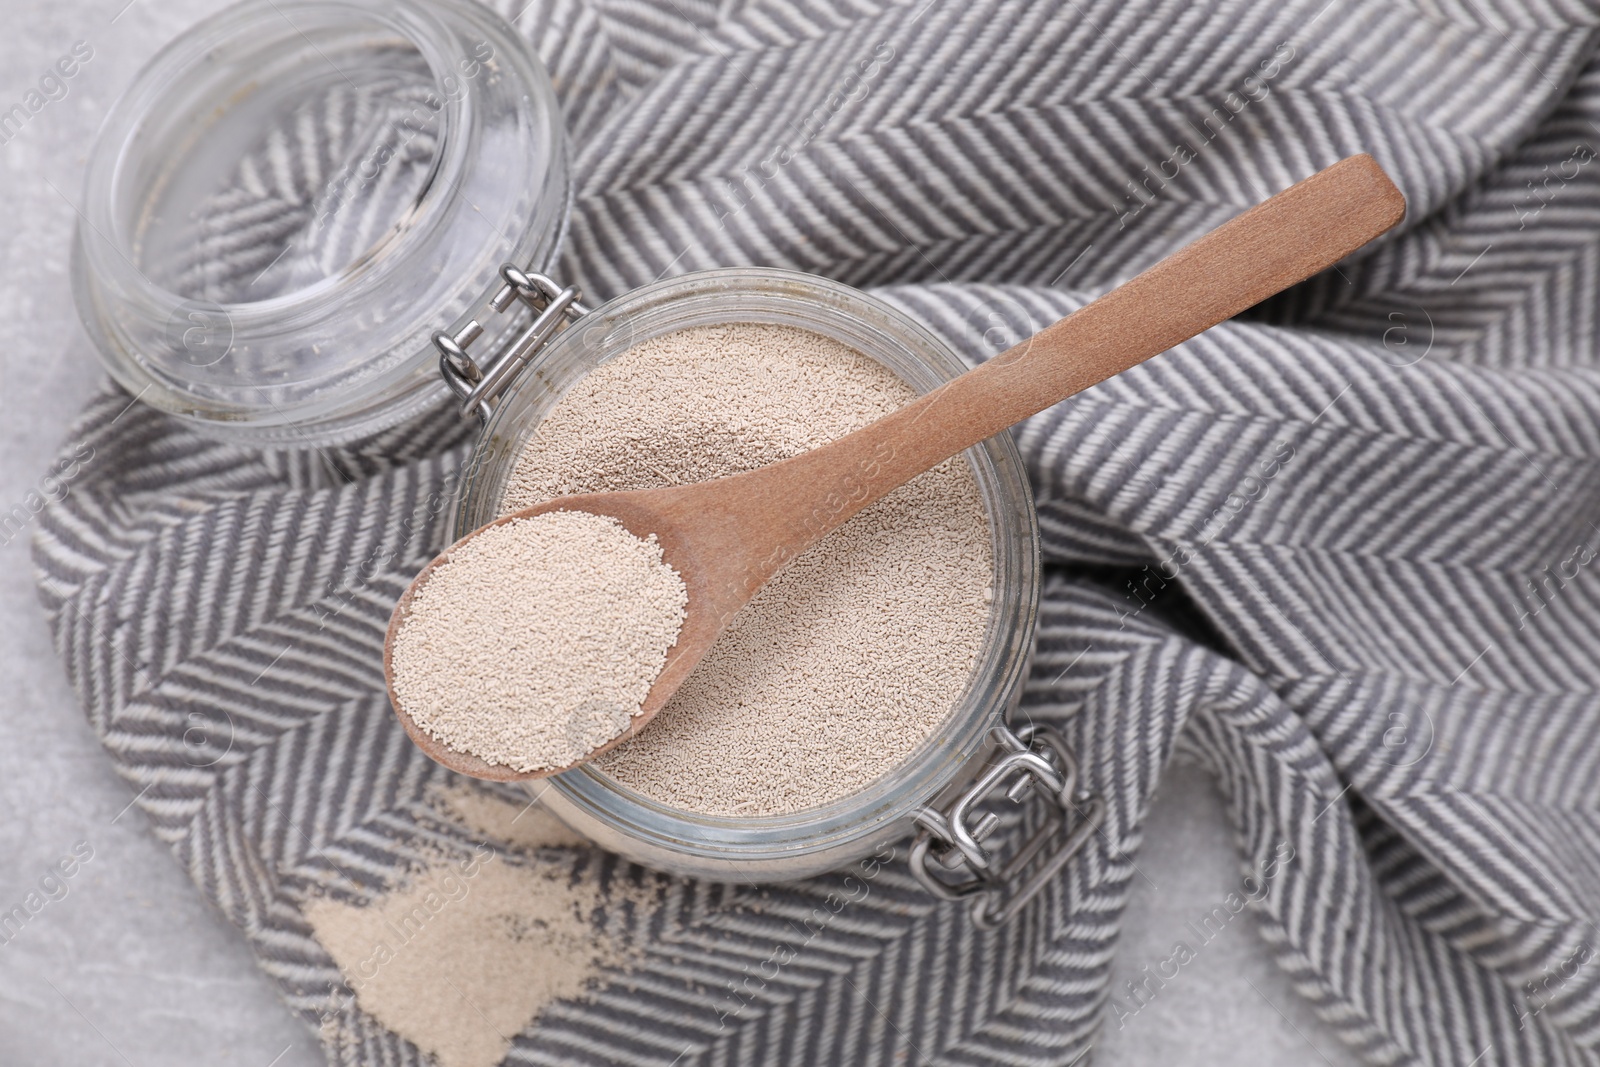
(1342, 551)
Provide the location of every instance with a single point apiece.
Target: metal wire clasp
(553, 307)
(948, 856)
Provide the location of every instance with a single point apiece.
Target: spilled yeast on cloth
(469, 949)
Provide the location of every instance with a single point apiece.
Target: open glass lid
(292, 197)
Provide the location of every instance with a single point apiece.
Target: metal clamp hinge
(948, 856)
(553, 307)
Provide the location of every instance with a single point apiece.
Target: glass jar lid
(293, 196)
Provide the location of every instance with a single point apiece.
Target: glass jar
(309, 220)
(822, 838)
(291, 198)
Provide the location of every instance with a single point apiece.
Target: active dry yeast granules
(466, 952)
(859, 649)
(536, 642)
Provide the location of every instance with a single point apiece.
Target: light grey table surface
(132, 967)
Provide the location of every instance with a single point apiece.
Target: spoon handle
(1283, 240)
(1299, 232)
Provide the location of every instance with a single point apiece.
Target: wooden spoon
(728, 536)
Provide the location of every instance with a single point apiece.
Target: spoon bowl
(672, 516)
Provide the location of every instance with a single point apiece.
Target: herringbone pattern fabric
(1339, 551)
